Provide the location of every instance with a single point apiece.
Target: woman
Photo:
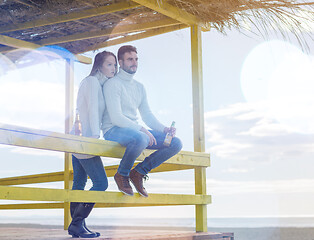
(90, 107)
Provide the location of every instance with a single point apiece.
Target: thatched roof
(263, 16)
(60, 22)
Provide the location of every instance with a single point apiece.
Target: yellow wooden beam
(61, 205)
(198, 123)
(64, 195)
(59, 176)
(116, 30)
(69, 95)
(110, 205)
(197, 89)
(17, 43)
(70, 16)
(36, 178)
(173, 12)
(27, 137)
(31, 206)
(200, 210)
(69, 107)
(133, 37)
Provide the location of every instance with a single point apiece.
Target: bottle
(169, 136)
(77, 125)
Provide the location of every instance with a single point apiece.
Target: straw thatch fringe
(258, 16)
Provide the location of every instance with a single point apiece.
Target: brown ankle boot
(123, 184)
(137, 180)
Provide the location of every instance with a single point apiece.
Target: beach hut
(79, 26)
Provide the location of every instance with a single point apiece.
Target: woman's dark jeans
(92, 167)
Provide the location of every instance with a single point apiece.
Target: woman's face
(109, 67)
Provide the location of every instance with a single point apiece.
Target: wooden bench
(59, 198)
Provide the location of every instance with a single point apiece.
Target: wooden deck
(32, 232)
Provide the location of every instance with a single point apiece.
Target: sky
(258, 111)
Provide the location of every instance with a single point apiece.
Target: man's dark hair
(126, 48)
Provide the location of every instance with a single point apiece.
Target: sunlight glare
(32, 90)
(281, 76)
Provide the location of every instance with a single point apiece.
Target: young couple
(109, 101)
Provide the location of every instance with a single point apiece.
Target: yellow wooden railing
(58, 198)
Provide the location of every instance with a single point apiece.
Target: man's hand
(152, 139)
(171, 130)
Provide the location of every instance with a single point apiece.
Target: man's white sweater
(124, 96)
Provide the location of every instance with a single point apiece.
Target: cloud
(236, 170)
(266, 127)
(242, 131)
(218, 187)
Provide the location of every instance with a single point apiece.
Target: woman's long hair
(99, 61)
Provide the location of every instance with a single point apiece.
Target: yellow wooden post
(69, 89)
(198, 123)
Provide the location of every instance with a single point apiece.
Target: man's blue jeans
(92, 167)
(135, 142)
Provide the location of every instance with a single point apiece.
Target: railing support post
(198, 123)
(69, 90)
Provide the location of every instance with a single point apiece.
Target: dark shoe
(137, 180)
(76, 228)
(73, 206)
(123, 184)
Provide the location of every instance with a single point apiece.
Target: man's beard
(130, 71)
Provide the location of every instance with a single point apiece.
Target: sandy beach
(37, 231)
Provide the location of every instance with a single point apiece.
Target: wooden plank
(133, 37)
(65, 195)
(31, 206)
(27, 137)
(59, 176)
(69, 95)
(200, 210)
(36, 178)
(116, 30)
(69, 108)
(16, 43)
(197, 89)
(198, 123)
(93, 12)
(36, 232)
(174, 12)
(60, 205)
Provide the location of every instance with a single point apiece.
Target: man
(124, 96)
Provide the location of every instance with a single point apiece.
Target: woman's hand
(152, 139)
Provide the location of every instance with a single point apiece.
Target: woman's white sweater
(91, 106)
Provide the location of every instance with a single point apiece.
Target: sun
(280, 76)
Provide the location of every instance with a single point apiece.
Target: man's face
(129, 62)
